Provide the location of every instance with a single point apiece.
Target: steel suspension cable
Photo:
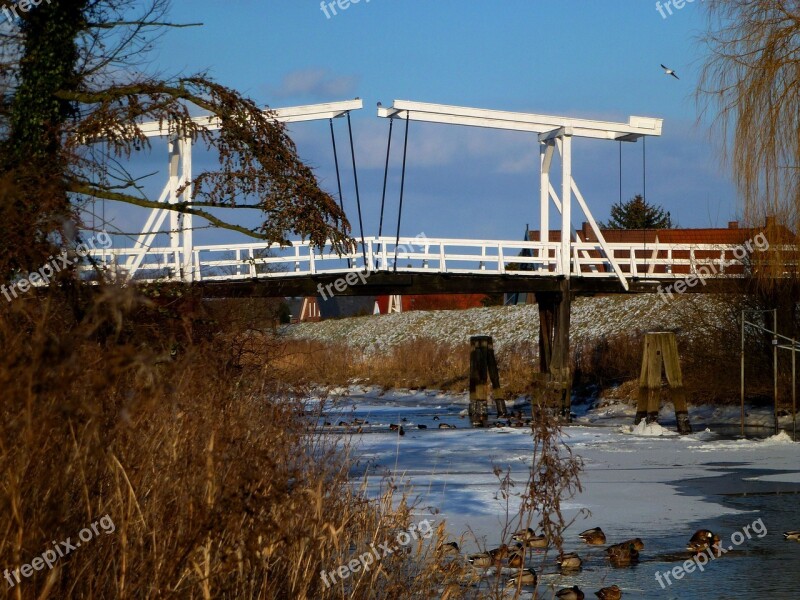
(336, 162)
(644, 198)
(620, 173)
(402, 191)
(358, 196)
(385, 176)
(338, 175)
(385, 180)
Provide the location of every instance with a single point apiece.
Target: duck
(435, 418)
(393, 426)
(593, 537)
(516, 558)
(573, 593)
(623, 554)
(792, 536)
(401, 431)
(487, 559)
(449, 548)
(500, 552)
(569, 561)
(529, 539)
(702, 540)
(525, 577)
(446, 426)
(637, 543)
(480, 560)
(609, 593)
(421, 426)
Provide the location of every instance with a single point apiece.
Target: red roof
(730, 235)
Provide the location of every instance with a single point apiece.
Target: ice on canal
(645, 482)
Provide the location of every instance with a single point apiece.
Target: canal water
(660, 489)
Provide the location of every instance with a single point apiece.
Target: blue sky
(597, 59)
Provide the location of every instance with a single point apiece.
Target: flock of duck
(623, 554)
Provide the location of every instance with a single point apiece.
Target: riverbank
(430, 350)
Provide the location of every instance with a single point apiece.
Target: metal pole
(775, 363)
(742, 373)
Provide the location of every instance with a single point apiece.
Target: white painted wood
(635, 128)
(599, 235)
(292, 114)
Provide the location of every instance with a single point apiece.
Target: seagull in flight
(669, 71)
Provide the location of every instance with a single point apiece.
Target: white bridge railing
(231, 262)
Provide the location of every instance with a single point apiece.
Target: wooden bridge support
(553, 384)
(482, 369)
(661, 348)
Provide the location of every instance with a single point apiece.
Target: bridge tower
(181, 264)
(555, 137)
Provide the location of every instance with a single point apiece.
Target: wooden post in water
(494, 377)
(661, 348)
(482, 370)
(553, 384)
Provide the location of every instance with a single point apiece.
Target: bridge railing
(423, 255)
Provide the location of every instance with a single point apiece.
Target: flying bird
(669, 71)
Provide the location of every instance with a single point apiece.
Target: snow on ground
(591, 318)
(638, 482)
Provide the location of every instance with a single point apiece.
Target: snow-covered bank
(591, 318)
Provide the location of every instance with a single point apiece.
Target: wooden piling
(661, 348)
(483, 370)
(553, 385)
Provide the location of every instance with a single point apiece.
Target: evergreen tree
(637, 213)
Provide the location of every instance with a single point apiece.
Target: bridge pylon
(553, 382)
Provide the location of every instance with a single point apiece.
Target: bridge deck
(389, 283)
(423, 265)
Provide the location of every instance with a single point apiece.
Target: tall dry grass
(213, 473)
(420, 363)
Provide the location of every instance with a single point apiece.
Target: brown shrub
(217, 483)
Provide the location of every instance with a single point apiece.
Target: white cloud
(318, 83)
